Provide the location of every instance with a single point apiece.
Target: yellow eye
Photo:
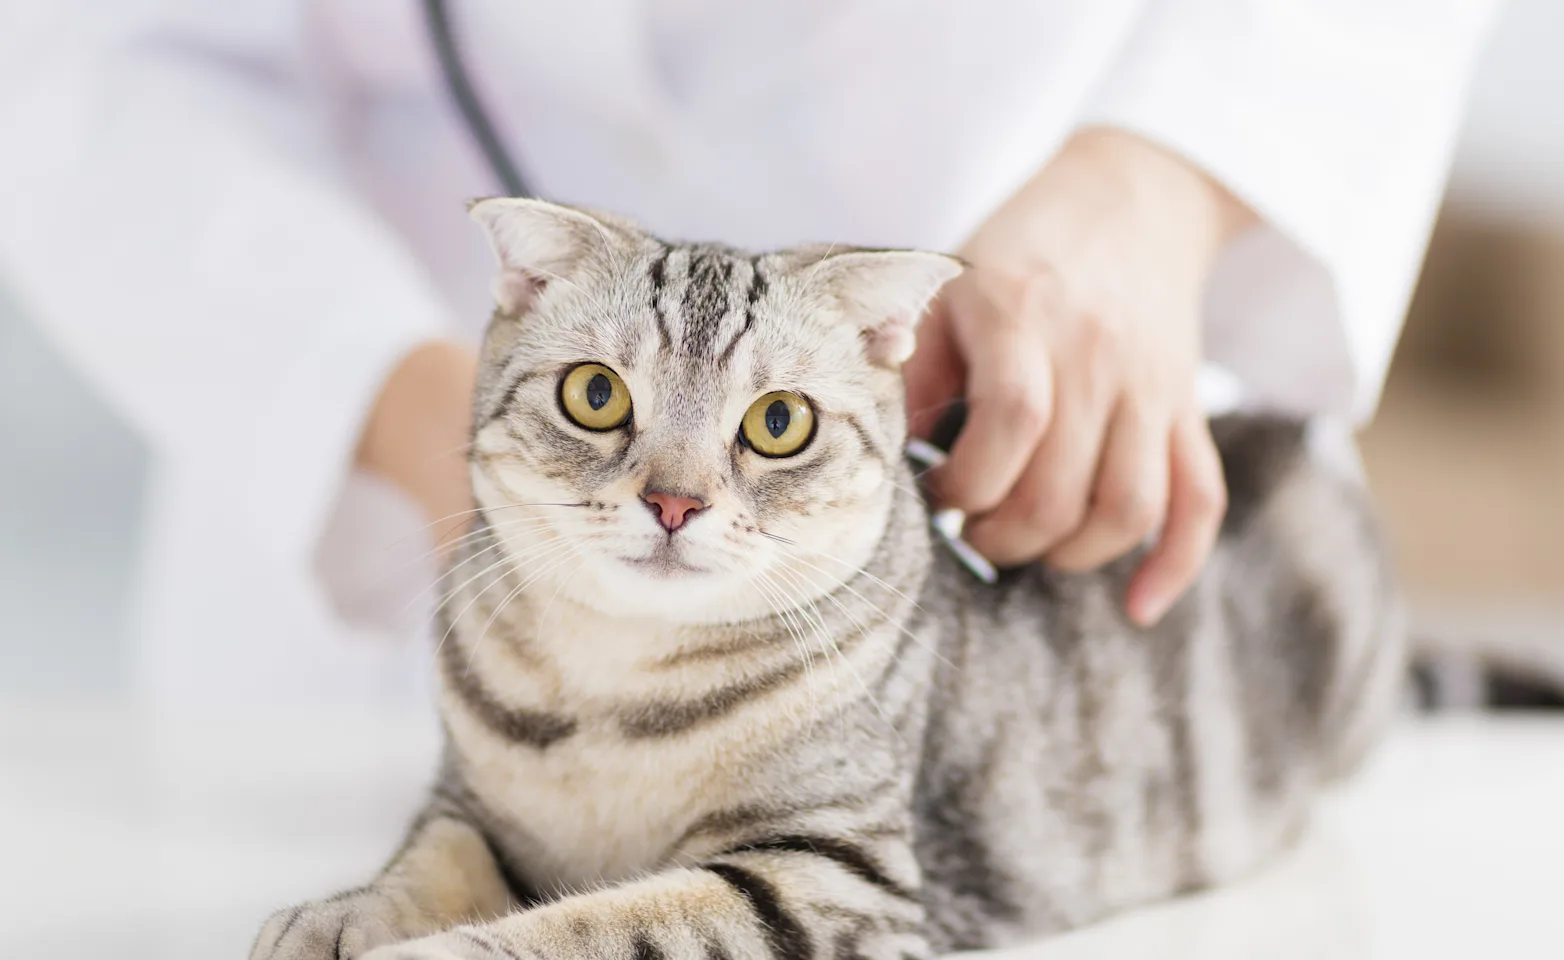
(778, 424)
(595, 397)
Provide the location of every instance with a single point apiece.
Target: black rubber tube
(459, 86)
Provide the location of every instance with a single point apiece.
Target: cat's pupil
(599, 390)
(778, 416)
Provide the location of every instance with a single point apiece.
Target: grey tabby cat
(709, 692)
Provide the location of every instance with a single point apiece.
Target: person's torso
(757, 124)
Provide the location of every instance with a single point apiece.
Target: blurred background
(1466, 455)
(136, 834)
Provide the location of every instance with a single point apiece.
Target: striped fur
(789, 729)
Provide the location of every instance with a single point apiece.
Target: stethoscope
(459, 85)
(946, 524)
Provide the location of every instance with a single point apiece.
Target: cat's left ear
(887, 292)
(535, 242)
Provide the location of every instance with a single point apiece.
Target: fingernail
(1146, 610)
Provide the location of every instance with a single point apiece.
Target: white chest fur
(601, 803)
(598, 809)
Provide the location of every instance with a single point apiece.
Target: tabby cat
(709, 691)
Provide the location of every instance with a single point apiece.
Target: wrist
(1108, 201)
(1169, 188)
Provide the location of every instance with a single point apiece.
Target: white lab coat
(235, 217)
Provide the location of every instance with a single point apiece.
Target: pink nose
(672, 510)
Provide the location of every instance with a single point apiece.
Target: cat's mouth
(664, 562)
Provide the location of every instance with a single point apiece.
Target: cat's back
(1076, 764)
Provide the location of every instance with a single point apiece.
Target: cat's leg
(443, 875)
(788, 897)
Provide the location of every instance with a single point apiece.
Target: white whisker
(451, 571)
(831, 644)
(818, 264)
(468, 513)
(466, 539)
(544, 549)
(543, 616)
(774, 598)
(574, 549)
(846, 585)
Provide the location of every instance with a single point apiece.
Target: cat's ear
(535, 242)
(886, 292)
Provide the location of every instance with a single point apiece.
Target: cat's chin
(667, 589)
(665, 560)
(662, 566)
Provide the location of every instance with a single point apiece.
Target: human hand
(416, 436)
(1075, 339)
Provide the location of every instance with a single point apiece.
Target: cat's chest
(594, 765)
(598, 807)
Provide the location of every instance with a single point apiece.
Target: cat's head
(686, 431)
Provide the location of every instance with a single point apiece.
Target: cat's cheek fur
(840, 535)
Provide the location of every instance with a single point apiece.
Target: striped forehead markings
(694, 294)
(659, 278)
(706, 299)
(757, 289)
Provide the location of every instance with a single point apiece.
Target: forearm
(1099, 176)
(416, 434)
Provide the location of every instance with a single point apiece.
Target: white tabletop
(134, 834)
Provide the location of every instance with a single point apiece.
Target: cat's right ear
(886, 291)
(535, 242)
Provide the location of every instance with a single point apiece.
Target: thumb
(934, 373)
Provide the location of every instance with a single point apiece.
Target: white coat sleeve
(1334, 120)
(169, 216)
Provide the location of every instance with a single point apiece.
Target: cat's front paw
(462, 943)
(345, 927)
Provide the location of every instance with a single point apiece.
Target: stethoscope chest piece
(947, 524)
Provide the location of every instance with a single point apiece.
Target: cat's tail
(1487, 661)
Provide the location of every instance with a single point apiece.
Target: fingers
(933, 373)
(1197, 499)
(1064, 454)
(1130, 492)
(1050, 499)
(1009, 395)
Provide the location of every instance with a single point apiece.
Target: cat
(709, 691)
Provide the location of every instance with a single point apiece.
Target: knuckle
(1014, 290)
(957, 490)
(998, 543)
(983, 502)
(1053, 511)
(1101, 338)
(1041, 290)
(1131, 508)
(1024, 291)
(1024, 403)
